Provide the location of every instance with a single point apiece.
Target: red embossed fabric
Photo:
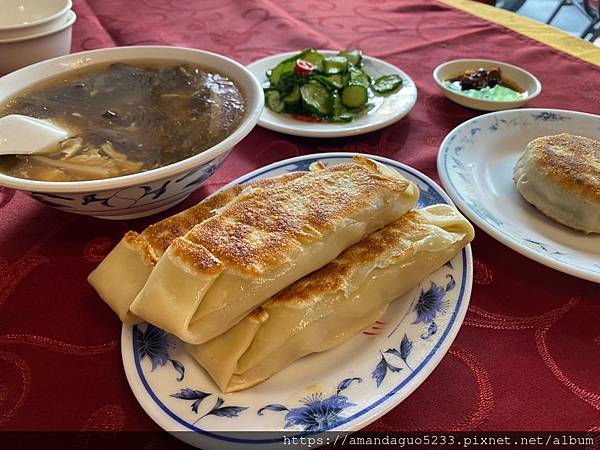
(528, 355)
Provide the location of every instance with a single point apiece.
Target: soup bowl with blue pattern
(143, 193)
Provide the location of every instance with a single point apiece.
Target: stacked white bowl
(34, 30)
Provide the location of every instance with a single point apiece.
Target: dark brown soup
(126, 119)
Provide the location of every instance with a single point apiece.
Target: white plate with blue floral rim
(475, 164)
(342, 389)
(387, 109)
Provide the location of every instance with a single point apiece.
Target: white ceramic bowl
(19, 52)
(522, 78)
(30, 17)
(144, 193)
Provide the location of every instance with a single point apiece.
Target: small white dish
(22, 14)
(388, 108)
(22, 18)
(143, 193)
(342, 389)
(19, 52)
(525, 80)
(475, 164)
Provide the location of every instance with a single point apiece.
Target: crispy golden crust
(161, 234)
(258, 315)
(260, 227)
(316, 166)
(157, 237)
(367, 162)
(195, 256)
(138, 243)
(573, 162)
(333, 277)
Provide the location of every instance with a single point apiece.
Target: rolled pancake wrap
(265, 239)
(329, 306)
(119, 278)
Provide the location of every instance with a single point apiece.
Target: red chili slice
(303, 67)
(306, 118)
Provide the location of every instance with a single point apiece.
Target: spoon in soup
(24, 135)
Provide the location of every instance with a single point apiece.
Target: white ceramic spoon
(23, 135)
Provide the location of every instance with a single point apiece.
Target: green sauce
(498, 93)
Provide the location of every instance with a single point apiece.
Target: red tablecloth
(528, 355)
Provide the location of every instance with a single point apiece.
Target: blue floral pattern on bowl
(134, 201)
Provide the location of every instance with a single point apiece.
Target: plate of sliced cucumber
(330, 93)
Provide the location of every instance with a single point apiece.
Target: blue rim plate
(343, 389)
(475, 164)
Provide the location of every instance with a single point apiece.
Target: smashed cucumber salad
(333, 88)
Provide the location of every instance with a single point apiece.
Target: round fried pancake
(560, 176)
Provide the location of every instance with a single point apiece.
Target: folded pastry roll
(122, 274)
(332, 304)
(220, 355)
(262, 241)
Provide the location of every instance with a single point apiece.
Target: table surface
(528, 355)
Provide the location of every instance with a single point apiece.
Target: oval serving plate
(475, 164)
(343, 389)
(388, 108)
